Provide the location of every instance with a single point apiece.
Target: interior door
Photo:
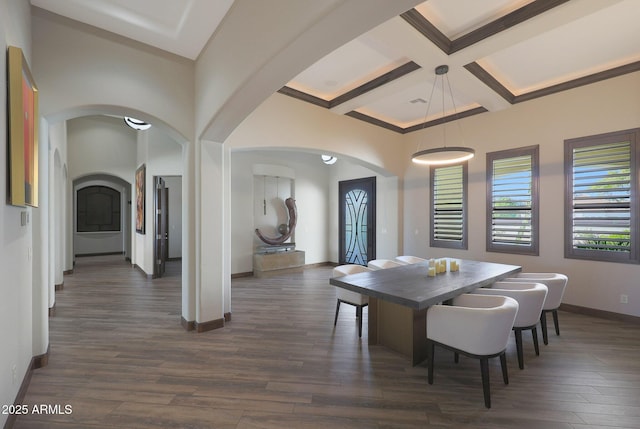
(161, 243)
(357, 212)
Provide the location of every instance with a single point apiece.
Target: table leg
(373, 321)
(398, 328)
(419, 336)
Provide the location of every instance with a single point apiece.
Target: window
(98, 209)
(601, 204)
(449, 206)
(512, 201)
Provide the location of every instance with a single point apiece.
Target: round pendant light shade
(443, 155)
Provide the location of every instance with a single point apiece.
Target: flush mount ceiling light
(328, 159)
(136, 124)
(442, 155)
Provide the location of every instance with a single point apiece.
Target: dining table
(400, 296)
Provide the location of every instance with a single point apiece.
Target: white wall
(607, 106)
(311, 194)
(82, 70)
(316, 193)
(286, 123)
(16, 305)
(101, 144)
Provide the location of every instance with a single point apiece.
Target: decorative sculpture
(287, 230)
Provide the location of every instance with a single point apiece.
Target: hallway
(121, 359)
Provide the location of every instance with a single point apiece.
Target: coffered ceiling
(499, 52)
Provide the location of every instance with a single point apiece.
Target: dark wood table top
(410, 285)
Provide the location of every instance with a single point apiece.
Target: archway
(86, 128)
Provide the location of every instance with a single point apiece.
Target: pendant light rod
(442, 155)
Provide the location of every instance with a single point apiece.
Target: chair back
(381, 264)
(345, 270)
(530, 297)
(555, 282)
(408, 259)
(346, 295)
(476, 324)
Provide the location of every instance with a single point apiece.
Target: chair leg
(534, 334)
(543, 325)
(518, 333)
(430, 357)
(503, 365)
(484, 370)
(555, 321)
(335, 320)
(359, 316)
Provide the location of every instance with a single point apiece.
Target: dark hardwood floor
(121, 359)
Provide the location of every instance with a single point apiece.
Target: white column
(41, 254)
(210, 217)
(51, 294)
(188, 233)
(226, 230)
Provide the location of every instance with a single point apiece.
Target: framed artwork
(140, 178)
(23, 131)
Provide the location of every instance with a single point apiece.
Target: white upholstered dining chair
(349, 297)
(556, 284)
(477, 326)
(408, 259)
(530, 297)
(381, 264)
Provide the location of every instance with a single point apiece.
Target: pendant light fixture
(446, 154)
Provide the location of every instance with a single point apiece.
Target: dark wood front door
(161, 242)
(357, 212)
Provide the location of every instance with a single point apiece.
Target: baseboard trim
(143, 272)
(316, 265)
(321, 264)
(600, 313)
(241, 275)
(209, 326)
(80, 255)
(59, 287)
(40, 360)
(187, 325)
(36, 362)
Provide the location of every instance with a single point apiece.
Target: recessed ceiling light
(136, 124)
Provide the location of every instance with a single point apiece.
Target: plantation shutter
(601, 197)
(601, 204)
(511, 201)
(448, 206)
